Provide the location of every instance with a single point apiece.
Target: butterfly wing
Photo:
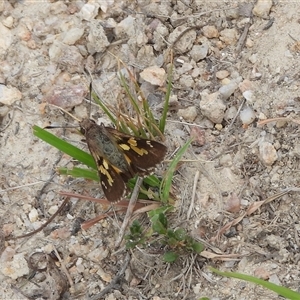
(111, 165)
(141, 153)
(111, 179)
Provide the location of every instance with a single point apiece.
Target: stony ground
(235, 89)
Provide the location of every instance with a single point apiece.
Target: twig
(8, 123)
(233, 120)
(242, 39)
(44, 225)
(113, 283)
(193, 195)
(129, 212)
(20, 186)
(64, 268)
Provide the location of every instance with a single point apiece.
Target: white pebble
(33, 215)
(248, 95)
(53, 209)
(89, 11)
(247, 115)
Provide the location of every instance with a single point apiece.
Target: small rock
(8, 22)
(296, 151)
(212, 106)
(249, 96)
(23, 32)
(5, 38)
(66, 96)
(164, 8)
(249, 43)
(33, 215)
(68, 56)
(186, 81)
(198, 135)
(154, 75)
(246, 85)
(7, 229)
(253, 58)
(185, 43)
(7, 254)
(104, 276)
(186, 67)
(105, 4)
(199, 52)
(97, 38)
(247, 115)
(219, 127)
(227, 90)
(267, 153)
(145, 56)
(210, 31)
(189, 113)
(89, 11)
(72, 36)
(230, 113)
(60, 233)
(16, 268)
(262, 8)
(225, 81)
(31, 44)
(9, 95)
(245, 9)
(98, 254)
(3, 111)
(275, 279)
(229, 36)
(53, 209)
(222, 74)
(262, 273)
(232, 13)
(276, 241)
(126, 26)
(233, 203)
(158, 36)
(197, 288)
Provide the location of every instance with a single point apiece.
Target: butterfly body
(119, 156)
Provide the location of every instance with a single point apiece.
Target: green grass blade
(64, 146)
(162, 122)
(104, 108)
(167, 180)
(130, 96)
(80, 173)
(283, 291)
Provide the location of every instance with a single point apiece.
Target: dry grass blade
(130, 209)
(251, 209)
(263, 122)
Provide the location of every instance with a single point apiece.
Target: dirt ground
(235, 89)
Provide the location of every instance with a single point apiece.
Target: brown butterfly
(119, 157)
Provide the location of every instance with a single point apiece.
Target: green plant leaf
(166, 183)
(135, 228)
(80, 173)
(162, 122)
(159, 223)
(152, 181)
(280, 290)
(180, 234)
(162, 209)
(198, 247)
(65, 147)
(170, 257)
